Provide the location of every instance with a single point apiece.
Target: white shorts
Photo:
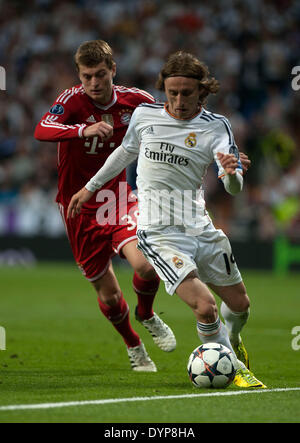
(174, 254)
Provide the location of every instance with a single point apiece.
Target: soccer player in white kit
(175, 143)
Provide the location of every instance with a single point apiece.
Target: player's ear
(114, 69)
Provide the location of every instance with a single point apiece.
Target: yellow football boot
(246, 379)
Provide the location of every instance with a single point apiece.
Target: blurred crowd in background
(250, 46)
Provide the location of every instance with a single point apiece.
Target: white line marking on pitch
(135, 399)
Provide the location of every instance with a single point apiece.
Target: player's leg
(219, 269)
(145, 284)
(235, 308)
(209, 325)
(172, 257)
(235, 311)
(114, 307)
(124, 241)
(145, 280)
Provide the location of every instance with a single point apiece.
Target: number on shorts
(130, 222)
(227, 263)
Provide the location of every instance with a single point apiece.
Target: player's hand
(229, 162)
(77, 201)
(99, 129)
(246, 162)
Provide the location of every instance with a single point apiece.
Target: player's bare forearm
(77, 201)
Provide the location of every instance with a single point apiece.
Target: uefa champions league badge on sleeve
(57, 109)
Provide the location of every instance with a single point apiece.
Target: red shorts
(93, 245)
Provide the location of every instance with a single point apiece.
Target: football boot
(162, 334)
(246, 379)
(140, 360)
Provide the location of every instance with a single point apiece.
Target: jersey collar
(108, 105)
(198, 113)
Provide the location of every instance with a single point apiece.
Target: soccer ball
(212, 365)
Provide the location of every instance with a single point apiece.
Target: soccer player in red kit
(89, 121)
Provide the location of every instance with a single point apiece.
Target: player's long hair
(187, 65)
(93, 52)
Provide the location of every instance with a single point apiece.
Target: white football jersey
(173, 157)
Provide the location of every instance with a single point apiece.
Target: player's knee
(238, 300)
(108, 292)
(206, 312)
(245, 303)
(242, 302)
(145, 270)
(109, 298)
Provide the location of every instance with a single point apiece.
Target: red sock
(145, 291)
(118, 315)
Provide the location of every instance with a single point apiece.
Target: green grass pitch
(59, 348)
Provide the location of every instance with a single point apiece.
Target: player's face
(183, 96)
(97, 81)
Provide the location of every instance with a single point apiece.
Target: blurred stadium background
(250, 46)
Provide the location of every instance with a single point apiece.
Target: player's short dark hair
(93, 52)
(184, 64)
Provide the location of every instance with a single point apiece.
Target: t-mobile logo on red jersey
(2, 339)
(2, 79)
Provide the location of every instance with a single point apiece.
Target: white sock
(214, 333)
(234, 322)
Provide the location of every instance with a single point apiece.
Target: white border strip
(135, 399)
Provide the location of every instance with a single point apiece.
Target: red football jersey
(79, 158)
